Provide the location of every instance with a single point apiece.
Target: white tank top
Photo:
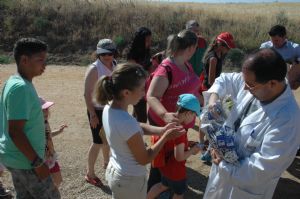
(102, 70)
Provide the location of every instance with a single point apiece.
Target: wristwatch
(37, 162)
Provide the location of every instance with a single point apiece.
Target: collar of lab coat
(269, 110)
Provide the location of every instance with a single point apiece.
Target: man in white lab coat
(267, 128)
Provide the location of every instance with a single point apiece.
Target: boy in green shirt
(22, 131)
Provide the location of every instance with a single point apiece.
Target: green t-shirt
(19, 101)
(196, 59)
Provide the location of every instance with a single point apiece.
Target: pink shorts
(56, 168)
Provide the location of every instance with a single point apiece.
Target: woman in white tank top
(103, 66)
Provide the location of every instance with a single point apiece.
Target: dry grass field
(64, 86)
(74, 26)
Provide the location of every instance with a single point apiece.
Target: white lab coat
(267, 140)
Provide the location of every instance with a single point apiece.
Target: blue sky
(234, 1)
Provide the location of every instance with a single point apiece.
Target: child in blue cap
(177, 151)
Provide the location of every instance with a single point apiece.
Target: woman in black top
(213, 61)
(214, 57)
(139, 52)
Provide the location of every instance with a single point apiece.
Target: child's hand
(62, 127)
(192, 143)
(173, 133)
(195, 149)
(170, 126)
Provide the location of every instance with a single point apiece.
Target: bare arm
(156, 130)
(59, 131)
(151, 130)
(16, 133)
(181, 155)
(157, 88)
(144, 156)
(19, 138)
(212, 70)
(91, 78)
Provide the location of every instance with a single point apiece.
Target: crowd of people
(168, 92)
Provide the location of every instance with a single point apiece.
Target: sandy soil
(64, 86)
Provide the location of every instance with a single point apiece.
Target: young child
(51, 156)
(177, 151)
(4, 193)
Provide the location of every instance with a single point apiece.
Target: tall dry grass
(75, 26)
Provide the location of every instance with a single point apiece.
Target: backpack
(169, 75)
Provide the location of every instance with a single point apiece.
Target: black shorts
(96, 131)
(179, 187)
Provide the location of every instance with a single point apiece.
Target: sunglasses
(106, 54)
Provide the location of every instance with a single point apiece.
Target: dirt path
(64, 85)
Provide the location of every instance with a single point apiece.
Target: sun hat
(190, 102)
(227, 38)
(191, 24)
(45, 104)
(106, 46)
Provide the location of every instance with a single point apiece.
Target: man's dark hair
(266, 64)
(28, 47)
(277, 30)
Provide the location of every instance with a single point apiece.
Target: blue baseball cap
(190, 102)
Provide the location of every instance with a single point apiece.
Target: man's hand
(42, 171)
(215, 156)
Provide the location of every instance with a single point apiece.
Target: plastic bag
(220, 136)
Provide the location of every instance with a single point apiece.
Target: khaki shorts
(133, 187)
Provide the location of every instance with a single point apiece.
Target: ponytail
(103, 91)
(124, 76)
(181, 41)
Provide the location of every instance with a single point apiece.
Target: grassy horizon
(74, 26)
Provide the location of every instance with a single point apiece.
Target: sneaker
(206, 157)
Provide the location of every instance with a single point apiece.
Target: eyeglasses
(252, 87)
(106, 54)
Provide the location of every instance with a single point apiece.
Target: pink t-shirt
(182, 82)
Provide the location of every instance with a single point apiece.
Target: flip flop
(94, 181)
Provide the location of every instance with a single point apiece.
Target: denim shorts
(178, 187)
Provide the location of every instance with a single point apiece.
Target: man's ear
(273, 83)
